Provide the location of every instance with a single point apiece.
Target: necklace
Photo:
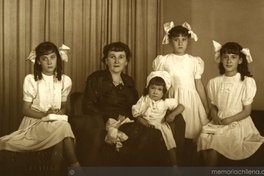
(117, 83)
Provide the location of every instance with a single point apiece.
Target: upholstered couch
(89, 132)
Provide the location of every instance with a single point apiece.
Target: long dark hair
(44, 49)
(235, 48)
(156, 81)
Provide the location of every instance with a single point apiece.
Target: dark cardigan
(102, 97)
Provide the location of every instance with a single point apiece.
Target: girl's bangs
(157, 81)
(158, 84)
(231, 48)
(177, 31)
(230, 51)
(48, 49)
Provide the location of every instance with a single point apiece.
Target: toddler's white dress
(36, 134)
(241, 139)
(154, 112)
(184, 70)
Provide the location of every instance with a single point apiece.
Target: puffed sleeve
(158, 63)
(199, 68)
(137, 108)
(211, 91)
(29, 88)
(66, 87)
(171, 103)
(249, 91)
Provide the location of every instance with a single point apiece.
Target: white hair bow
(62, 50)
(167, 28)
(193, 35)
(169, 25)
(218, 46)
(32, 56)
(246, 51)
(163, 74)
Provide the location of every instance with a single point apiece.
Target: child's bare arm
(63, 109)
(201, 91)
(178, 110)
(28, 111)
(241, 115)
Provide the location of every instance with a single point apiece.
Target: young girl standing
(231, 95)
(44, 92)
(187, 87)
(151, 108)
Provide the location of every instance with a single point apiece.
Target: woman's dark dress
(145, 146)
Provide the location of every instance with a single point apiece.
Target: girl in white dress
(44, 92)
(151, 108)
(231, 95)
(187, 87)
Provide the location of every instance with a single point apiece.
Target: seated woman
(111, 94)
